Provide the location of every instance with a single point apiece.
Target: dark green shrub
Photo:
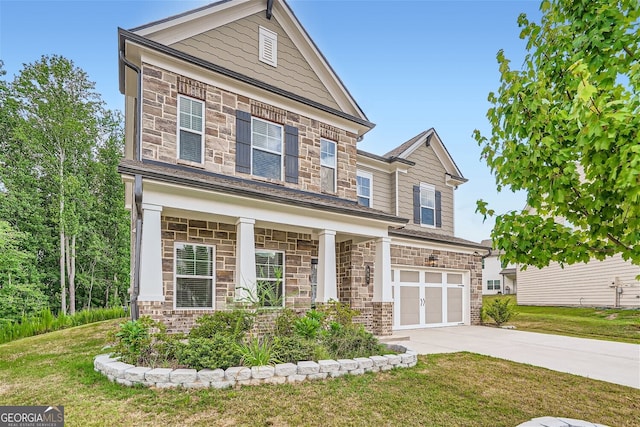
(500, 310)
(219, 351)
(292, 349)
(284, 323)
(132, 339)
(350, 342)
(233, 323)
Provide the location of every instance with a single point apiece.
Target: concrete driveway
(614, 362)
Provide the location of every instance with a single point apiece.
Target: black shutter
(416, 204)
(291, 154)
(438, 209)
(243, 142)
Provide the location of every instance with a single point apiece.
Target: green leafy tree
(59, 150)
(564, 128)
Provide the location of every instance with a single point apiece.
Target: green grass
(584, 322)
(459, 389)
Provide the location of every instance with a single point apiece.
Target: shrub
(350, 342)
(500, 310)
(307, 327)
(335, 311)
(257, 352)
(233, 323)
(293, 349)
(284, 323)
(219, 351)
(132, 339)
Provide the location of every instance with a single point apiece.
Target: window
(493, 285)
(364, 180)
(327, 166)
(427, 205)
(270, 278)
(268, 47)
(195, 276)
(190, 129)
(266, 147)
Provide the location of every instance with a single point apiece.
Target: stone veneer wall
(159, 133)
(298, 249)
(353, 260)
(412, 256)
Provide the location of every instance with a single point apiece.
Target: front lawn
(459, 389)
(584, 322)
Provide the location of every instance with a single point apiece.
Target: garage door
(427, 298)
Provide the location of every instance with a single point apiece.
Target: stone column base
(382, 318)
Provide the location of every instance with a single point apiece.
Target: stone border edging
(130, 375)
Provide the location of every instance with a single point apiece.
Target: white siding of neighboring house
(580, 284)
(491, 271)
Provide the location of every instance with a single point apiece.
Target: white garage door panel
(427, 298)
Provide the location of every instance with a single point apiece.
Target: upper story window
(427, 205)
(190, 129)
(364, 181)
(266, 149)
(195, 276)
(327, 166)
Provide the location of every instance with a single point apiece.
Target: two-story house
(498, 276)
(244, 180)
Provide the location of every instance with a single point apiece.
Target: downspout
(137, 189)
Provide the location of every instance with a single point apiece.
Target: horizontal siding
(235, 46)
(382, 189)
(580, 284)
(428, 170)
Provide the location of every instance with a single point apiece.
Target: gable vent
(268, 47)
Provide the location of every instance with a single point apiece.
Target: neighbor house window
(190, 129)
(266, 149)
(327, 166)
(195, 275)
(427, 205)
(493, 285)
(364, 180)
(269, 278)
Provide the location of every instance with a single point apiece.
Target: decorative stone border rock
(130, 375)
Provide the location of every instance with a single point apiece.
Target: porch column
(327, 283)
(151, 286)
(382, 276)
(245, 259)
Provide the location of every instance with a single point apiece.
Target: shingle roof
(405, 145)
(435, 237)
(187, 176)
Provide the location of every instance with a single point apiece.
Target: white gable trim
(173, 30)
(440, 151)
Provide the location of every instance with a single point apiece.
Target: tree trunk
(93, 271)
(71, 272)
(63, 287)
(106, 296)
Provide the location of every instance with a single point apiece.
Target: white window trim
(212, 277)
(201, 133)
(334, 167)
(428, 187)
(265, 36)
(281, 153)
(369, 176)
(284, 263)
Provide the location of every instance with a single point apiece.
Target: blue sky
(410, 65)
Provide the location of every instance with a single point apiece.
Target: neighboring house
(498, 277)
(244, 179)
(608, 283)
